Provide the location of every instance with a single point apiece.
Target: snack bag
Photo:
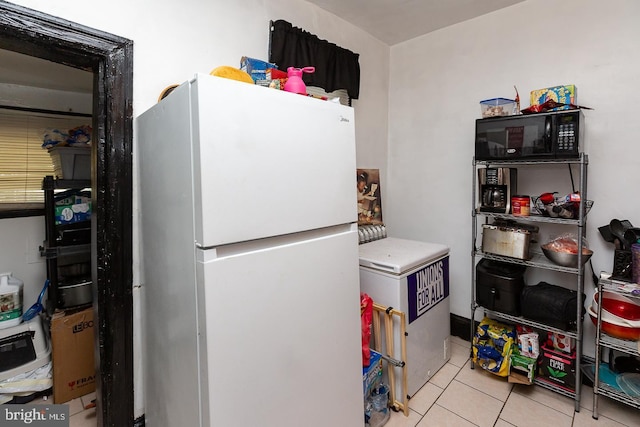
(53, 137)
(492, 346)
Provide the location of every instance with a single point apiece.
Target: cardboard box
(522, 369)
(372, 374)
(274, 74)
(72, 341)
(558, 368)
(256, 68)
(564, 94)
(563, 343)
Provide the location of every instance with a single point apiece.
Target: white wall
(438, 80)
(173, 40)
(20, 254)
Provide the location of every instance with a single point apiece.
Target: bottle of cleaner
(10, 300)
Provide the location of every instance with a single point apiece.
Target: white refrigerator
(250, 259)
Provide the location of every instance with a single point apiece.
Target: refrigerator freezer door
(279, 332)
(268, 162)
(397, 256)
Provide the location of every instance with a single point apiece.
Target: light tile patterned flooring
(459, 396)
(79, 417)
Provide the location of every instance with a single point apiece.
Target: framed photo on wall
(368, 191)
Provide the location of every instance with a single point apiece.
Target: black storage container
(552, 305)
(498, 286)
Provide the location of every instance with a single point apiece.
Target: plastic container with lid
(497, 107)
(10, 300)
(629, 382)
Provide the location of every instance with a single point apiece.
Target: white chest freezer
(412, 277)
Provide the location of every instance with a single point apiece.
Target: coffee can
(520, 205)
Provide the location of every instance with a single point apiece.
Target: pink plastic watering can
(294, 82)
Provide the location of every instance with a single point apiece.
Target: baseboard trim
(460, 327)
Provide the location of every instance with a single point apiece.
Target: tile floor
(458, 396)
(79, 417)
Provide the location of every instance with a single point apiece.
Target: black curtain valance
(336, 67)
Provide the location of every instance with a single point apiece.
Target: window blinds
(23, 161)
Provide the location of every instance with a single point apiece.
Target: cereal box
(372, 374)
(564, 94)
(256, 68)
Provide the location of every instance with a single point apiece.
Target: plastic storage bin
(71, 162)
(629, 382)
(497, 107)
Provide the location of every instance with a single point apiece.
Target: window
(336, 67)
(23, 161)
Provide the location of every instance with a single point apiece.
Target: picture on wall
(369, 202)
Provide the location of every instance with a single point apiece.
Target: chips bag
(492, 346)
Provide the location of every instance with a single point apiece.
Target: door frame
(110, 58)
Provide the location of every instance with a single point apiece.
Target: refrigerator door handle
(234, 249)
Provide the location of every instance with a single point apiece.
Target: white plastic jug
(10, 300)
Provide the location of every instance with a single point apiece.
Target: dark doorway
(110, 59)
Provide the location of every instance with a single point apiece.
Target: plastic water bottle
(380, 398)
(378, 405)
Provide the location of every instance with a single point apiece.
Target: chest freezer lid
(399, 255)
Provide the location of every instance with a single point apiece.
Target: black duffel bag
(552, 305)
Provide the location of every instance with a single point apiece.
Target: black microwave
(553, 135)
